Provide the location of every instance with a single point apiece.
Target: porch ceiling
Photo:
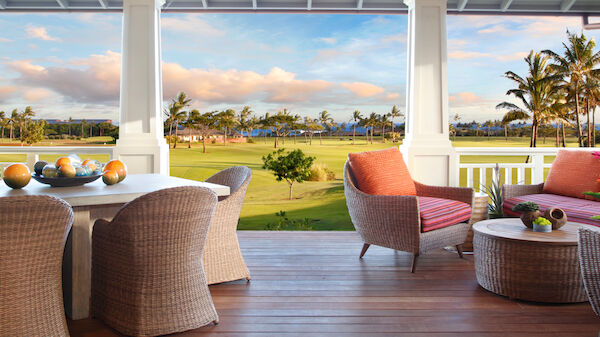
(558, 7)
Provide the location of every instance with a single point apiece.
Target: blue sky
(68, 64)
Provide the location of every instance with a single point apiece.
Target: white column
(427, 148)
(141, 145)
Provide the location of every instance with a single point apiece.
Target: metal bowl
(66, 182)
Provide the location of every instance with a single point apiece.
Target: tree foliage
(293, 166)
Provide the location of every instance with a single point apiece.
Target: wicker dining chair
(394, 221)
(33, 232)
(223, 260)
(589, 262)
(147, 273)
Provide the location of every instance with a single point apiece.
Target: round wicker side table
(512, 260)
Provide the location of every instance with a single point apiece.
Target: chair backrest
(33, 232)
(349, 176)
(589, 261)
(236, 177)
(173, 220)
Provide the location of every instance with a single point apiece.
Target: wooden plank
(312, 284)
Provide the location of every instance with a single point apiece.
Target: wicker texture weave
(33, 232)
(589, 261)
(533, 271)
(394, 221)
(147, 273)
(511, 191)
(223, 260)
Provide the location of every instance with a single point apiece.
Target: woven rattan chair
(393, 221)
(589, 261)
(33, 232)
(147, 274)
(223, 260)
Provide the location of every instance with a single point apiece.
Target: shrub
(213, 141)
(320, 172)
(250, 141)
(285, 223)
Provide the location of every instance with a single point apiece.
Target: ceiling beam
(204, 4)
(505, 4)
(359, 4)
(2, 4)
(587, 25)
(103, 3)
(461, 5)
(63, 3)
(565, 5)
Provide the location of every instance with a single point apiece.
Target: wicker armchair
(511, 191)
(589, 261)
(394, 221)
(223, 260)
(147, 273)
(33, 232)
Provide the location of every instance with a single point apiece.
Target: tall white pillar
(427, 148)
(141, 145)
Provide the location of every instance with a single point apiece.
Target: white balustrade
(531, 172)
(33, 152)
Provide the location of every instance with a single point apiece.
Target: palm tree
(535, 92)
(190, 123)
(253, 123)
(266, 123)
(356, 117)
(577, 63)
(226, 121)
(70, 122)
(14, 118)
(244, 119)
(24, 119)
(175, 114)
(2, 123)
(205, 124)
(591, 91)
(383, 121)
(325, 120)
(393, 114)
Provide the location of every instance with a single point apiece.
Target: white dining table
(91, 202)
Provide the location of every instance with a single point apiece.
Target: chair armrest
(463, 194)
(391, 221)
(511, 191)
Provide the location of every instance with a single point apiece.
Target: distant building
(78, 121)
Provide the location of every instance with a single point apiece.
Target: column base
(143, 154)
(431, 162)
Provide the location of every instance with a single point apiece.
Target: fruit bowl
(66, 182)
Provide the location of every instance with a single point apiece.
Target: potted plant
(542, 224)
(529, 212)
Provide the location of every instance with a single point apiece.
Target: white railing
(513, 168)
(33, 152)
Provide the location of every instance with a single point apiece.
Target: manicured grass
(322, 202)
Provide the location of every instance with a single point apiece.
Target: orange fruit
(67, 171)
(110, 177)
(17, 176)
(90, 163)
(117, 166)
(63, 161)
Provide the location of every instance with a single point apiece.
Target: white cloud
(328, 40)
(41, 33)
(3, 39)
(362, 89)
(512, 57)
(463, 55)
(190, 24)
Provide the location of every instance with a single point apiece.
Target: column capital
(156, 3)
(414, 3)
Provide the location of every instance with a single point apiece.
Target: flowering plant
(595, 194)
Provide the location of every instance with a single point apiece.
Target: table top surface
(513, 229)
(97, 193)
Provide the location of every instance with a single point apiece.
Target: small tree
(292, 167)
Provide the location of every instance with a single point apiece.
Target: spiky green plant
(494, 192)
(527, 206)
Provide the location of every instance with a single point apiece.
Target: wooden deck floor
(313, 284)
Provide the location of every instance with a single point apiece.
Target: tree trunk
(372, 135)
(290, 196)
(579, 138)
(311, 135)
(557, 135)
(587, 115)
(564, 135)
(506, 132)
(383, 133)
(225, 137)
(176, 127)
(203, 144)
(11, 133)
(168, 138)
(594, 127)
(190, 139)
(276, 141)
(354, 134)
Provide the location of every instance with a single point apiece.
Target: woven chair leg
(459, 250)
(364, 250)
(248, 279)
(414, 263)
(215, 322)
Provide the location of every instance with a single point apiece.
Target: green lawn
(322, 202)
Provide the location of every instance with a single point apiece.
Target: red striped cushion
(439, 213)
(577, 210)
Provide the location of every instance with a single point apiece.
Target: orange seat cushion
(382, 172)
(572, 173)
